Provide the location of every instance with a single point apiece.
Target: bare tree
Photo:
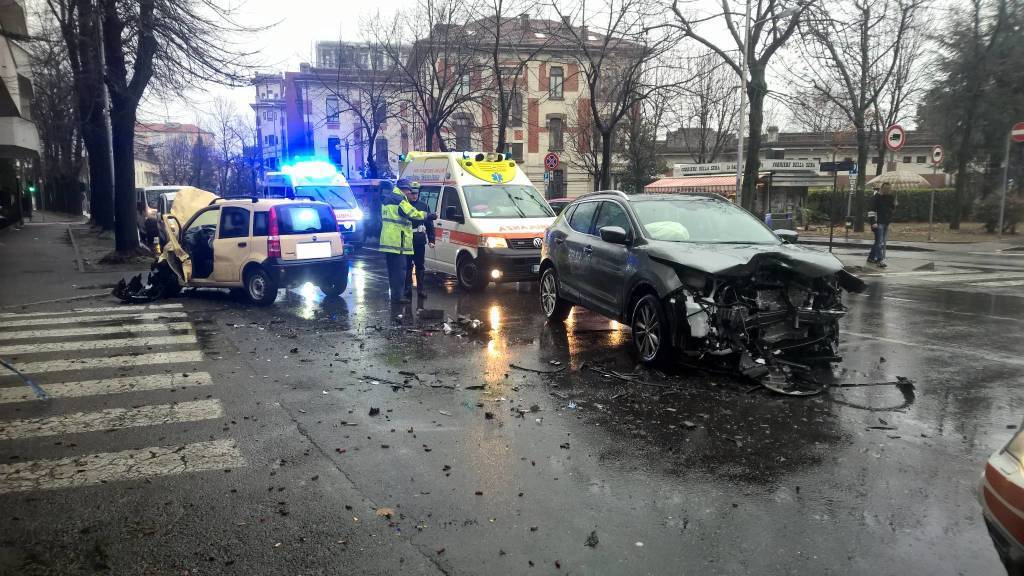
(900, 96)
(507, 44)
(79, 24)
(706, 108)
(619, 60)
(369, 92)
(222, 122)
(853, 48)
(436, 59)
(638, 140)
(54, 109)
(811, 111)
(174, 160)
(584, 144)
(771, 26)
(178, 43)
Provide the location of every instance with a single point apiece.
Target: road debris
(592, 539)
(524, 368)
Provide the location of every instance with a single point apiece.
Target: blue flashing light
(310, 169)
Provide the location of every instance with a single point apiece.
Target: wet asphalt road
(490, 468)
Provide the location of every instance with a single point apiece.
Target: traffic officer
(397, 214)
(422, 235)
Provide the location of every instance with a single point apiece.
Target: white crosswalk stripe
(112, 418)
(121, 317)
(71, 342)
(999, 283)
(133, 309)
(120, 466)
(126, 328)
(108, 386)
(15, 349)
(140, 360)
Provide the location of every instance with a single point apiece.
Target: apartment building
(19, 140)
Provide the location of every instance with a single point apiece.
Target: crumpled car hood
(741, 259)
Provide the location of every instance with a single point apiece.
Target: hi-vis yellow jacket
(397, 215)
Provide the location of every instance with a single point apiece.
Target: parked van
(319, 181)
(491, 218)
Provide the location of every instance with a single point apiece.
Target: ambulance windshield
(506, 201)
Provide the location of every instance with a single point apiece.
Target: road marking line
(110, 362)
(107, 386)
(124, 308)
(999, 283)
(134, 316)
(993, 356)
(15, 349)
(127, 328)
(973, 277)
(112, 419)
(120, 466)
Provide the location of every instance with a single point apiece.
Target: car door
(430, 194)
(447, 231)
(233, 244)
(607, 278)
(578, 247)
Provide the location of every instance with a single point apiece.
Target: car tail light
(273, 239)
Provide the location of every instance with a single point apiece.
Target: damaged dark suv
(697, 275)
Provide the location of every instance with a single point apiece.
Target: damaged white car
(697, 275)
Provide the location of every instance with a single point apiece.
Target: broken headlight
(1015, 447)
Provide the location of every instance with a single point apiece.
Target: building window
(907, 159)
(556, 83)
(463, 88)
(554, 133)
(380, 113)
(268, 115)
(515, 109)
(922, 159)
(516, 150)
(334, 150)
(463, 132)
(270, 139)
(380, 153)
(332, 109)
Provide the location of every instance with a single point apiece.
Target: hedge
(911, 204)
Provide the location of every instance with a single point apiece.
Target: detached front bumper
(511, 264)
(295, 272)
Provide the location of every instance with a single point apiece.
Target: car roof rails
(254, 199)
(619, 193)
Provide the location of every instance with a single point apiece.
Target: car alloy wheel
(548, 293)
(647, 332)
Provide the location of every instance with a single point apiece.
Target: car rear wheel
(337, 284)
(650, 330)
(260, 288)
(555, 308)
(469, 274)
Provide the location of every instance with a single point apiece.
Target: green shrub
(987, 211)
(911, 205)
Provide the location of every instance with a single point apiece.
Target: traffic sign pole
(1006, 180)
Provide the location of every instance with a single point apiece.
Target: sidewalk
(38, 264)
(966, 247)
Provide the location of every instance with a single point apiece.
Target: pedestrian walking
(883, 204)
(397, 215)
(422, 236)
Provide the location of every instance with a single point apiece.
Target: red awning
(718, 183)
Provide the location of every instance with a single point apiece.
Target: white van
(320, 181)
(491, 218)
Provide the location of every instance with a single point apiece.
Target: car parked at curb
(693, 274)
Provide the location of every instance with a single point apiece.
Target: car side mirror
(788, 236)
(614, 235)
(454, 214)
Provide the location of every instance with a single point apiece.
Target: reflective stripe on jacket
(397, 214)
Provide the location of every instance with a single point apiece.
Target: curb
(78, 255)
(842, 244)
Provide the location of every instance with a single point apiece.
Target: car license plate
(305, 250)
(535, 268)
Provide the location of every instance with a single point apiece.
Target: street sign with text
(844, 166)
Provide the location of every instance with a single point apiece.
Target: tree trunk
(122, 122)
(101, 175)
(863, 141)
(756, 91)
(962, 177)
(503, 114)
(605, 174)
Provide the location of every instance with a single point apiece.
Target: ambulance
(490, 217)
(320, 181)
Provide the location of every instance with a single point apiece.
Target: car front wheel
(469, 274)
(260, 288)
(650, 330)
(555, 308)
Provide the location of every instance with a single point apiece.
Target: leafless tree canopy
(706, 108)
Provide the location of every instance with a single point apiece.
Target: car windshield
(153, 196)
(338, 197)
(700, 220)
(506, 201)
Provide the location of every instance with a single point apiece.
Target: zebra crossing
(956, 278)
(118, 354)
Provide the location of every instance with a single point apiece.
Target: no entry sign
(1017, 132)
(551, 160)
(895, 137)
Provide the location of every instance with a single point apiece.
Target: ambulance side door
(430, 194)
(451, 217)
